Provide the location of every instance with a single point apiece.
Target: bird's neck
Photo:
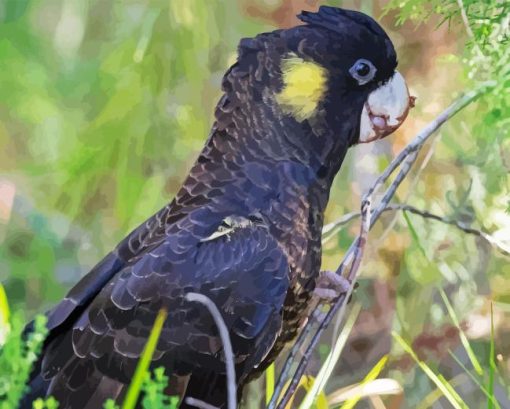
(290, 190)
(266, 166)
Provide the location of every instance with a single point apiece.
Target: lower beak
(385, 109)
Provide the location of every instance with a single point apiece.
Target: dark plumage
(262, 170)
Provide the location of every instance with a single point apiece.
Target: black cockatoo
(244, 229)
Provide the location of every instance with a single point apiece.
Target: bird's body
(244, 229)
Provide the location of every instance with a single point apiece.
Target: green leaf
(475, 380)
(372, 375)
(329, 365)
(110, 404)
(17, 357)
(269, 382)
(306, 382)
(443, 385)
(4, 315)
(420, 267)
(145, 360)
(414, 234)
(463, 338)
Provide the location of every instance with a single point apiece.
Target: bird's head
(343, 60)
(311, 91)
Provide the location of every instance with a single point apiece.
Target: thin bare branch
(404, 161)
(412, 185)
(227, 347)
(333, 227)
(356, 257)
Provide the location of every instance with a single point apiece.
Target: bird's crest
(333, 18)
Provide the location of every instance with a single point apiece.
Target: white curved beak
(385, 109)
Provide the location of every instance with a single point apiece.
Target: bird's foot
(330, 286)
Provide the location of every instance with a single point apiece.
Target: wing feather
(244, 273)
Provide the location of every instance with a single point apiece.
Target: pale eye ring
(363, 71)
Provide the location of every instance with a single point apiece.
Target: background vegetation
(105, 104)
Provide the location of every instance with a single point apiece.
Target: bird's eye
(363, 71)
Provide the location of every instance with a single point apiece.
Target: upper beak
(385, 109)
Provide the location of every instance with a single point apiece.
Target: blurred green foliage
(153, 393)
(104, 105)
(16, 359)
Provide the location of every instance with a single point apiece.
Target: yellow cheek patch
(304, 86)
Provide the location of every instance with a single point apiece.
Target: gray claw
(331, 285)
